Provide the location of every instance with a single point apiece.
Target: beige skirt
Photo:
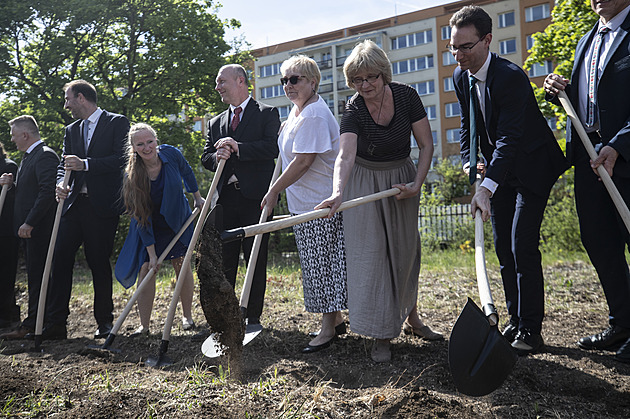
(382, 249)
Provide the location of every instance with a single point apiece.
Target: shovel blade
(212, 348)
(479, 357)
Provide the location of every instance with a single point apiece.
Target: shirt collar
(615, 22)
(242, 105)
(95, 116)
(32, 147)
(482, 74)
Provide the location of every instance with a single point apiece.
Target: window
(530, 42)
(424, 87)
(434, 136)
(446, 32)
(508, 46)
(506, 19)
(452, 135)
(430, 112)
(270, 70)
(538, 70)
(537, 12)
(448, 84)
(412, 39)
(284, 111)
(271, 91)
(448, 58)
(197, 126)
(452, 109)
(413, 64)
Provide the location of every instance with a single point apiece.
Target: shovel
(479, 357)
(212, 348)
(162, 359)
(41, 306)
(136, 294)
(3, 196)
(620, 204)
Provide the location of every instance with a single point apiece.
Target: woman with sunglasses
(309, 143)
(153, 197)
(382, 239)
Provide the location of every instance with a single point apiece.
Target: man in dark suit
(604, 235)
(246, 135)
(9, 310)
(522, 162)
(94, 149)
(33, 214)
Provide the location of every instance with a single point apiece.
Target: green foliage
(453, 182)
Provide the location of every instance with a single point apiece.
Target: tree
(148, 59)
(453, 182)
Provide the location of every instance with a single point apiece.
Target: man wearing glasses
(246, 135)
(504, 135)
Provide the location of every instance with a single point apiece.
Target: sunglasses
(292, 79)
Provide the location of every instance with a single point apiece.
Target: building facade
(416, 44)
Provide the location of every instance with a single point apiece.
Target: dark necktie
(472, 174)
(591, 115)
(235, 118)
(85, 133)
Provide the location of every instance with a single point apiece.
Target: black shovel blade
(479, 357)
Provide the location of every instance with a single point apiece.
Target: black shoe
(527, 342)
(510, 331)
(53, 331)
(623, 354)
(309, 349)
(253, 320)
(103, 330)
(610, 339)
(340, 329)
(200, 336)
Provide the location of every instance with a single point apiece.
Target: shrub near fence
(443, 226)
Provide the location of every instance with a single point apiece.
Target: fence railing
(443, 221)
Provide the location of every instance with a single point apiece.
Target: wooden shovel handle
(483, 284)
(3, 196)
(620, 204)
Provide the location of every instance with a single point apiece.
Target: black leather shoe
(623, 354)
(527, 342)
(253, 320)
(51, 332)
(309, 349)
(340, 329)
(103, 330)
(200, 336)
(510, 331)
(610, 339)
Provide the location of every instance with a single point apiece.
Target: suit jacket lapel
(247, 116)
(225, 124)
(100, 126)
(623, 32)
(488, 98)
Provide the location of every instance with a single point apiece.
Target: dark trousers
(239, 211)
(80, 225)
(604, 236)
(517, 215)
(35, 251)
(8, 269)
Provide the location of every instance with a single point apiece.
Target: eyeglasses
(464, 49)
(292, 79)
(358, 81)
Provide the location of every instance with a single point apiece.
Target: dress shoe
(309, 349)
(56, 331)
(253, 320)
(423, 332)
(610, 339)
(510, 331)
(340, 329)
(200, 336)
(140, 331)
(623, 354)
(527, 342)
(103, 330)
(19, 333)
(381, 351)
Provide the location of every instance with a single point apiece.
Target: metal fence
(443, 221)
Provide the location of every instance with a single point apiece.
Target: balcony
(324, 64)
(325, 88)
(341, 60)
(341, 85)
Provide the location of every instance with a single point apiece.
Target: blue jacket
(175, 209)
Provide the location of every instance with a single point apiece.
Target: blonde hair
(136, 189)
(305, 65)
(367, 57)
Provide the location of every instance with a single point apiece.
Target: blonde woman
(155, 201)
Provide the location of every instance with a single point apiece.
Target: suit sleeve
(265, 145)
(208, 157)
(45, 169)
(464, 134)
(114, 162)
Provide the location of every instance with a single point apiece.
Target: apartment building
(416, 45)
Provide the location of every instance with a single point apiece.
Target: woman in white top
(309, 144)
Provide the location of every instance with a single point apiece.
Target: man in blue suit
(604, 110)
(522, 162)
(94, 149)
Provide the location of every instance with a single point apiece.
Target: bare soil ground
(68, 379)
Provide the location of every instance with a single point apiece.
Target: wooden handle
(620, 204)
(41, 306)
(3, 196)
(166, 334)
(253, 257)
(483, 284)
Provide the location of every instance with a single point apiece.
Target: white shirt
(96, 115)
